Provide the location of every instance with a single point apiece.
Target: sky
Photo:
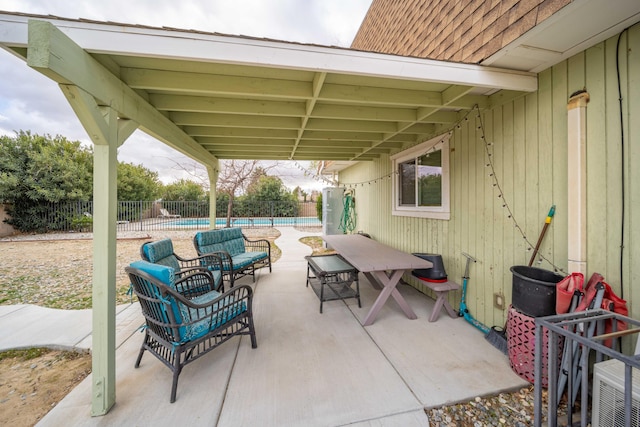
(30, 101)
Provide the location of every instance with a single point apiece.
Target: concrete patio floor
(309, 369)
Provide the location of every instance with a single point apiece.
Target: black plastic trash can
(435, 273)
(534, 290)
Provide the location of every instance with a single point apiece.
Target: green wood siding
(529, 136)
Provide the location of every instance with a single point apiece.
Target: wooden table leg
(374, 281)
(389, 284)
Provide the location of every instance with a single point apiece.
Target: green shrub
(319, 207)
(82, 223)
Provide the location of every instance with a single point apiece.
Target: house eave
(573, 29)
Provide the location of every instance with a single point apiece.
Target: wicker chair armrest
(225, 258)
(261, 245)
(194, 262)
(187, 262)
(238, 293)
(191, 270)
(195, 281)
(211, 260)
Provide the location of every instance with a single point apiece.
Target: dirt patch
(33, 381)
(317, 245)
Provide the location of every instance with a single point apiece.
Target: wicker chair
(187, 318)
(161, 252)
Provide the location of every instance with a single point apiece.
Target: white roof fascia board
(561, 36)
(13, 33)
(143, 42)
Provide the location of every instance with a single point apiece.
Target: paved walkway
(309, 368)
(26, 326)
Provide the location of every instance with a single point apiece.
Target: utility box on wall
(332, 207)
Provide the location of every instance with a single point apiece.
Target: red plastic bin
(521, 346)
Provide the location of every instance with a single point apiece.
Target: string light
(489, 164)
(505, 205)
(313, 175)
(346, 185)
(369, 182)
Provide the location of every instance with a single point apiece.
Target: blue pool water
(250, 222)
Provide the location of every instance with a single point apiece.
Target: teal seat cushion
(245, 259)
(211, 317)
(258, 256)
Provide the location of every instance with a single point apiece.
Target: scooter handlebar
(469, 257)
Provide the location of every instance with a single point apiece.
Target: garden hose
(348, 218)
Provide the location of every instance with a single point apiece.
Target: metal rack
(564, 325)
(331, 277)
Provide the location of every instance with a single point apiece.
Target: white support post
(577, 182)
(213, 173)
(107, 133)
(105, 205)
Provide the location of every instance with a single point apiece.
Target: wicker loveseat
(240, 256)
(186, 318)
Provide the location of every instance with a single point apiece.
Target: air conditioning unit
(608, 395)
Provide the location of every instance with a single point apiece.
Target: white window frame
(441, 212)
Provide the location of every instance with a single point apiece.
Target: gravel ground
(67, 261)
(506, 409)
(55, 270)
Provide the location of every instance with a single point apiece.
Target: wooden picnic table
(381, 264)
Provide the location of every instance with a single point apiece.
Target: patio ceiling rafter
(53, 54)
(214, 96)
(318, 81)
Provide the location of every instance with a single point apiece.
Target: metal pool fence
(177, 215)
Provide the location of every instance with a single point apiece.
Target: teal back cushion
(166, 275)
(163, 273)
(224, 239)
(161, 252)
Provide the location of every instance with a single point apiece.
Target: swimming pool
(306, 221)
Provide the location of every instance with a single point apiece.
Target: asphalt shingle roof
(450, 30)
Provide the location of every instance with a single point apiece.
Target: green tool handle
(551, 213)
(547, 221)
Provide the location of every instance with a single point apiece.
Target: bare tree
(195, 171)
(234, 179)
(236, 176)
